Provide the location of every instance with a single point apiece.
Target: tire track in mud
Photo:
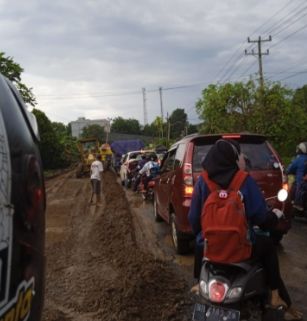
(96, 271)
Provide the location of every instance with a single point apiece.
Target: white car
(128, 164)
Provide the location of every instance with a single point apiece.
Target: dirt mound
(97, 271)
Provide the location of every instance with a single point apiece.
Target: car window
(258, 156)
(179, 155)
(168, 163)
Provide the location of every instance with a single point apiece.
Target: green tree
(192, 128)
(300, 97)
(52, 151)
(13, 71)
(149, 130)
(242, 107)
(67, 142)
(94, 131)
(178, 122)
(126, 126)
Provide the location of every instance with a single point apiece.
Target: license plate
(204, 312)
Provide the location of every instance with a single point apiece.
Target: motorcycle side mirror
(282, 195)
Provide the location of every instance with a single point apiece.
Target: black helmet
(153, 157)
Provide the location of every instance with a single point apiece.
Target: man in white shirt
(96, 176)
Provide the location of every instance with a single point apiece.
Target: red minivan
(182, 165)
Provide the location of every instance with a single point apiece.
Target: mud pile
(97, 271)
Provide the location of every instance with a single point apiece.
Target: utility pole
(144, 107)
(259, 54)
(161, 104)
(168, 129)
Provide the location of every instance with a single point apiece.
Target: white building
(78, 125)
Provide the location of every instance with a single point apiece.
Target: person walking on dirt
(222, 163)
(96, 177)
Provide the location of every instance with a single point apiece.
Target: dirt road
(100, 265)
(114, 263)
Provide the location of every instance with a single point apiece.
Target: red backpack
(224, 223)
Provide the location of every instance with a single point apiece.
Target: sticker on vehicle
(6, 216)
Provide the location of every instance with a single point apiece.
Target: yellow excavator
(88, 148)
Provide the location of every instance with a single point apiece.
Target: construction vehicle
(88, 148)
(106, 155)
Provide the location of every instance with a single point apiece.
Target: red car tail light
(217, 291)
(34, 190)
(188, 191)
(187, 180)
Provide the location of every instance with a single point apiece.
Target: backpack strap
(235, 184)
(211, 185)
(238, 180)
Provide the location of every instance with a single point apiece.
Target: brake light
(188, 190)
(34, 189)
(231, 136)
(217, 291)
(187, 180)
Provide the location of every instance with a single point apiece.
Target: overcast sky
(91, 58)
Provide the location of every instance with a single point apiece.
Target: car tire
(181, 244)
(157, 216)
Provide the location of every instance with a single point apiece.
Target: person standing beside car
(96, 178)
(222, 163)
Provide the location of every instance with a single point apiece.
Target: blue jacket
(255, 205)
(298, 167)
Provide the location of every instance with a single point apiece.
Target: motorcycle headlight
(282, 195)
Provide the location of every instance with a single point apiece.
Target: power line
(270, 19)
(294, 75)
(286, 18)
(286, 26)
(232, 68)
(290, 35)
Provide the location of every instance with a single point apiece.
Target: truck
(122, 147)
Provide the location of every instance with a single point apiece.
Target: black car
(22, 210)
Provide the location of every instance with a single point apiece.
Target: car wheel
(157, 216)
(181, 245)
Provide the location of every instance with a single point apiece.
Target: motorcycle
(296, 212)
(147, 194)
(233, 292)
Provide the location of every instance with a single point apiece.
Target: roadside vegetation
(274, 110)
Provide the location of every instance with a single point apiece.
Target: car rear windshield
(258, 156)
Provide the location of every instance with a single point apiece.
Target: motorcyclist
(139, 166)
(221, 163)
(149, 170)
(298, 167)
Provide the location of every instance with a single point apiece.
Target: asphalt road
(292, 252)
